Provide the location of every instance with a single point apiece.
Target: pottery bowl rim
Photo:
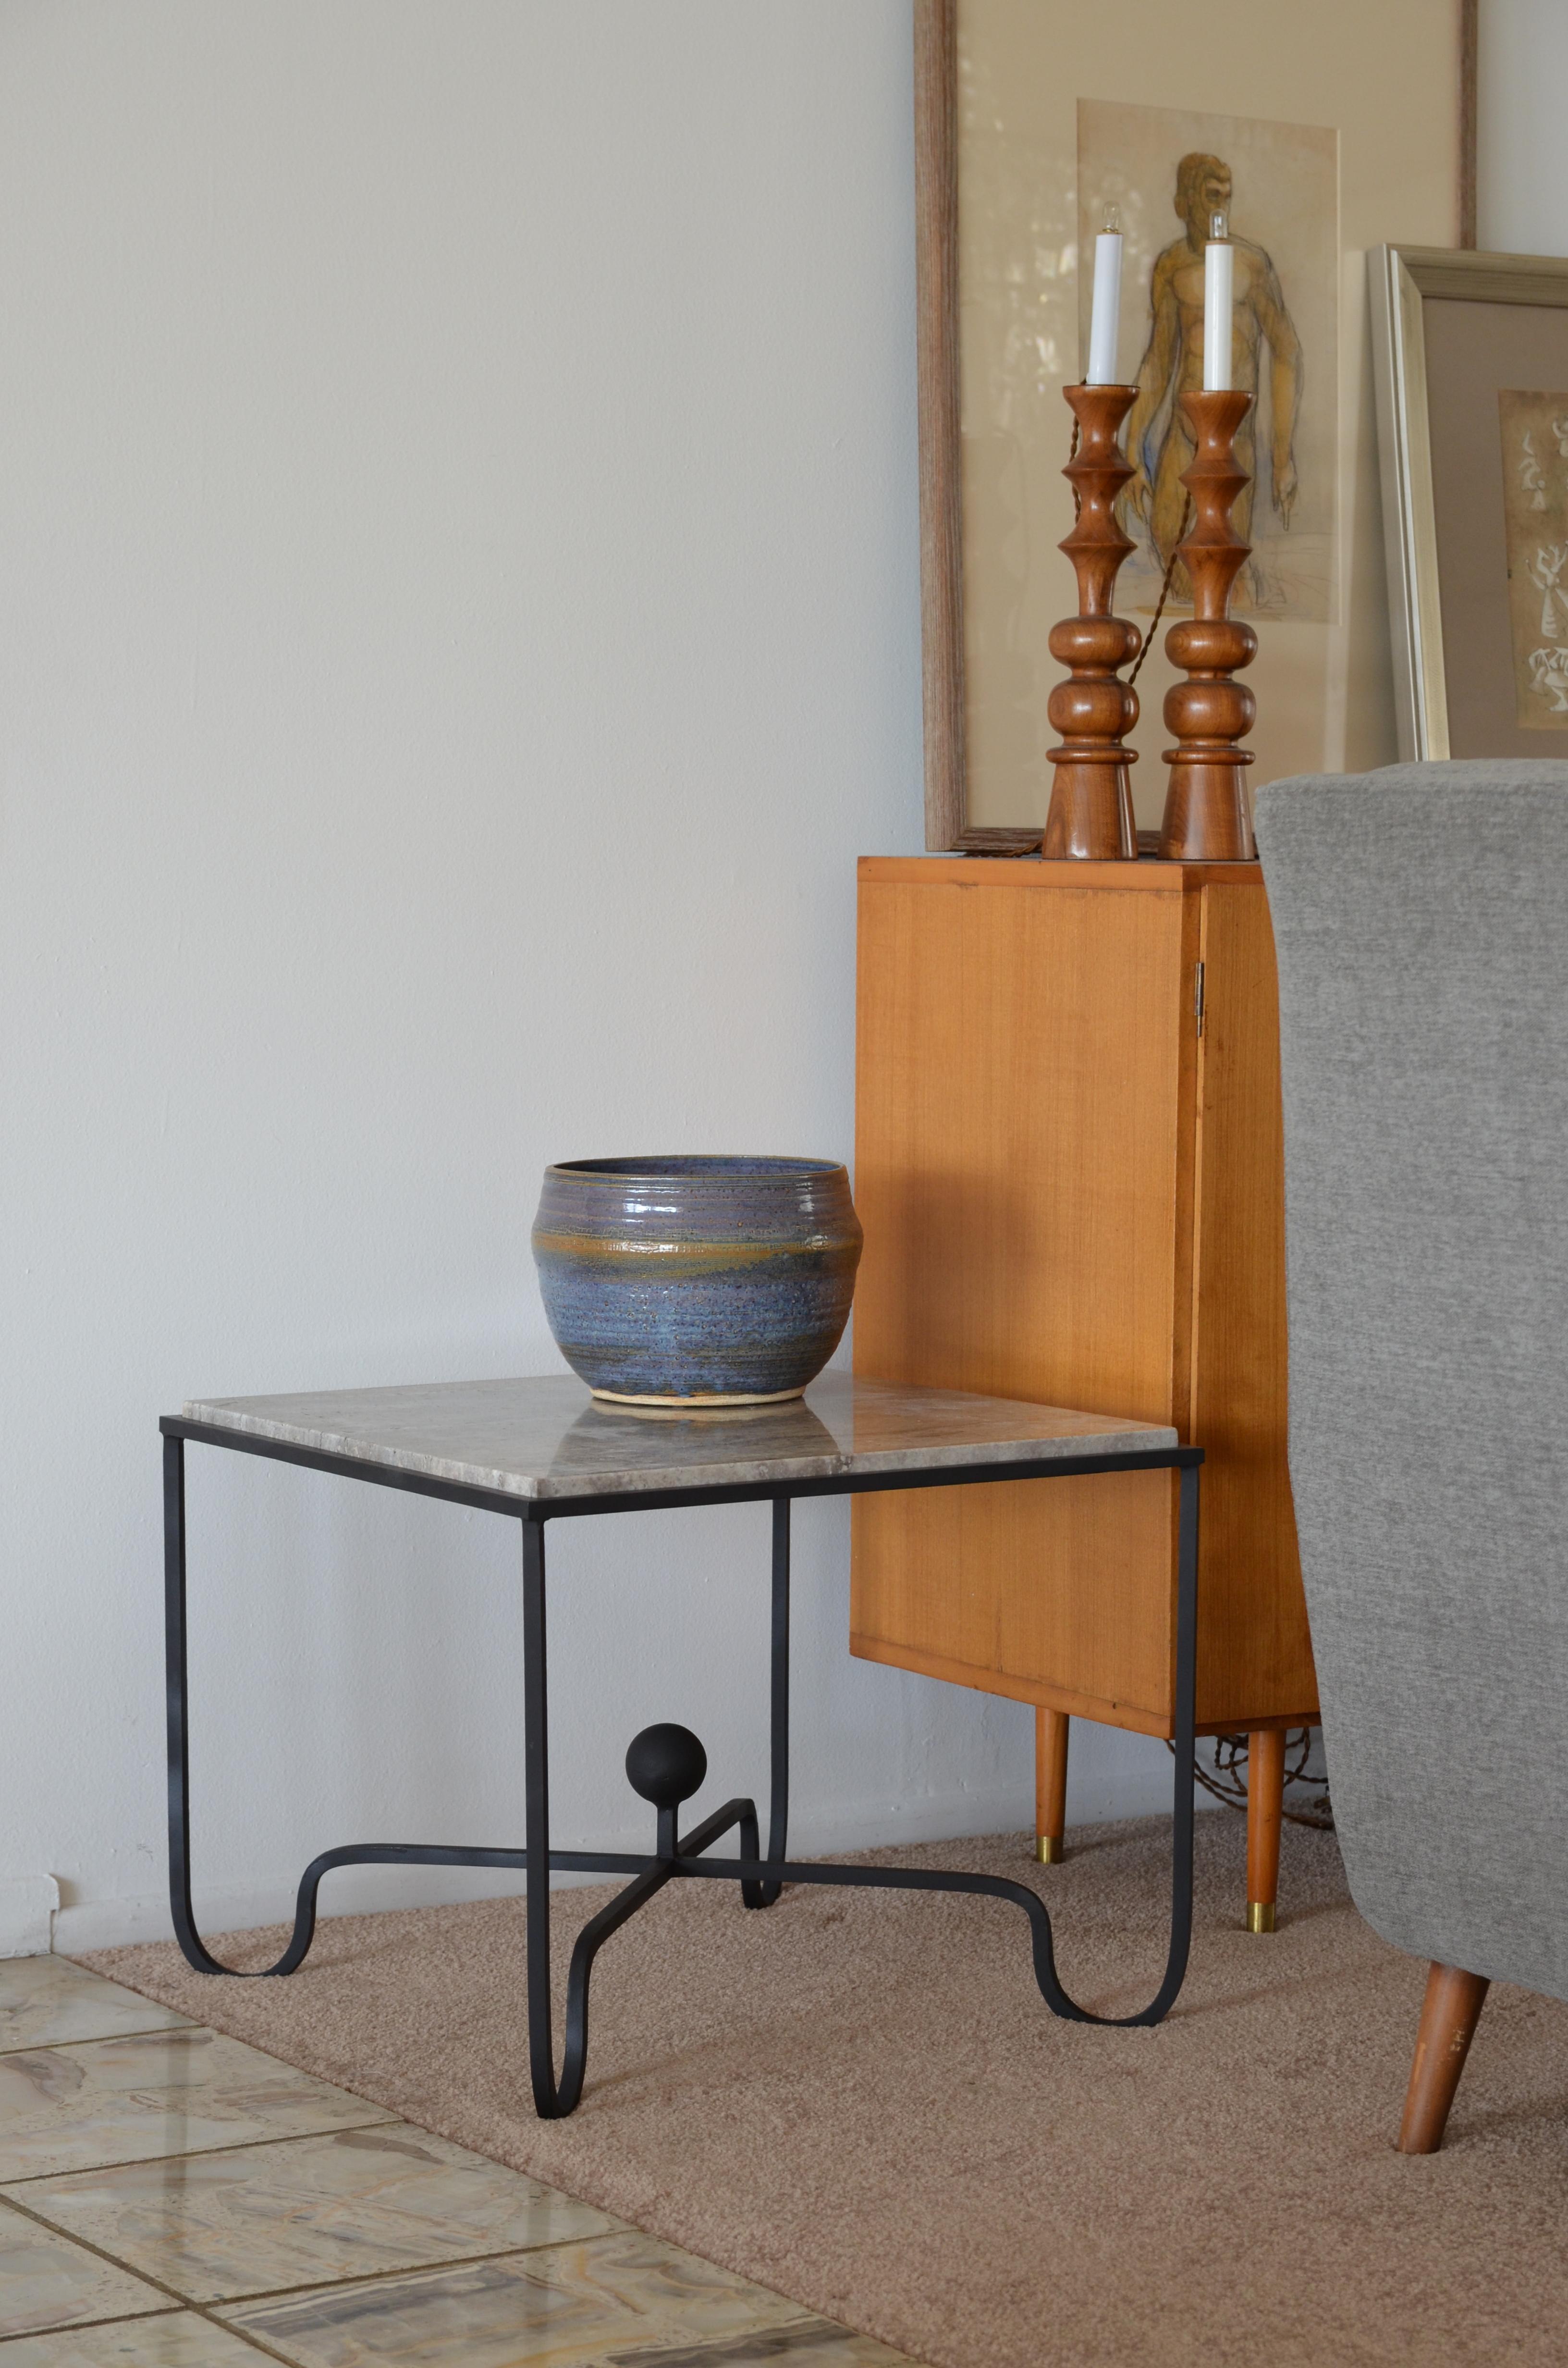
(694, 1167)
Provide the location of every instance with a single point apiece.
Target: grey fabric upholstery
(1421, 922)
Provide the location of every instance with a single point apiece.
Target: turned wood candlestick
(1091, 800)
(1206, 818)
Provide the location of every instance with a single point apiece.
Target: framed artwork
(1472, 354)
(1322, 133)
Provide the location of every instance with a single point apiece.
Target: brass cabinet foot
(1266, 1794)
(1051, 1728)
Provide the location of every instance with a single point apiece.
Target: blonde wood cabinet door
(1068, 1166)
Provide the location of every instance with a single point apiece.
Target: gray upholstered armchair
(1421, 921)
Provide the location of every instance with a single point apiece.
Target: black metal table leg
(536, 1822)
(553, 2100)
(763, 1895)
(1185, 1740)
(178, 1699)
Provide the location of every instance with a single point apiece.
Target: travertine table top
(548, 1439)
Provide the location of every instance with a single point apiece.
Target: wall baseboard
(27, 1915)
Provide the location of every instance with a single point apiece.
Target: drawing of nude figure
(1173, 365)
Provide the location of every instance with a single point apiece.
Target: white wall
(459, 541)
(1521, 174)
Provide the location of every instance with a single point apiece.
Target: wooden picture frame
(1459, 337)
(1336, 694)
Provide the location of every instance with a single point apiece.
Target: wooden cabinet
(1069, 1167)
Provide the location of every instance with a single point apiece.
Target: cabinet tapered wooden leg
(1050, 1728)
(1266, 1792)
(1449, 2013)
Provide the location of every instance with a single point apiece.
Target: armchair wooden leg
(1449, 2013)
(1266, 1792)
(1051, 1731)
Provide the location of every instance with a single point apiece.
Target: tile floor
(172, 2199)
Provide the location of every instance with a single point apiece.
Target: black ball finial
(667, 1764)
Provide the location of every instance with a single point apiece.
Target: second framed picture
(1472, 414)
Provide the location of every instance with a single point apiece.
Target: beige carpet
(859, 2099)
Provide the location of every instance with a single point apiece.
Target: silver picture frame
(1429, 571)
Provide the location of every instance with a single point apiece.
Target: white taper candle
(1104, 317)
(1219, 296)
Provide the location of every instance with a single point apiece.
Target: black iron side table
(542, 1450)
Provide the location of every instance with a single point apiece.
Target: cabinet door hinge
(1198, 996)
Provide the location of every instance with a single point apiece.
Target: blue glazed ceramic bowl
(706, 1282)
